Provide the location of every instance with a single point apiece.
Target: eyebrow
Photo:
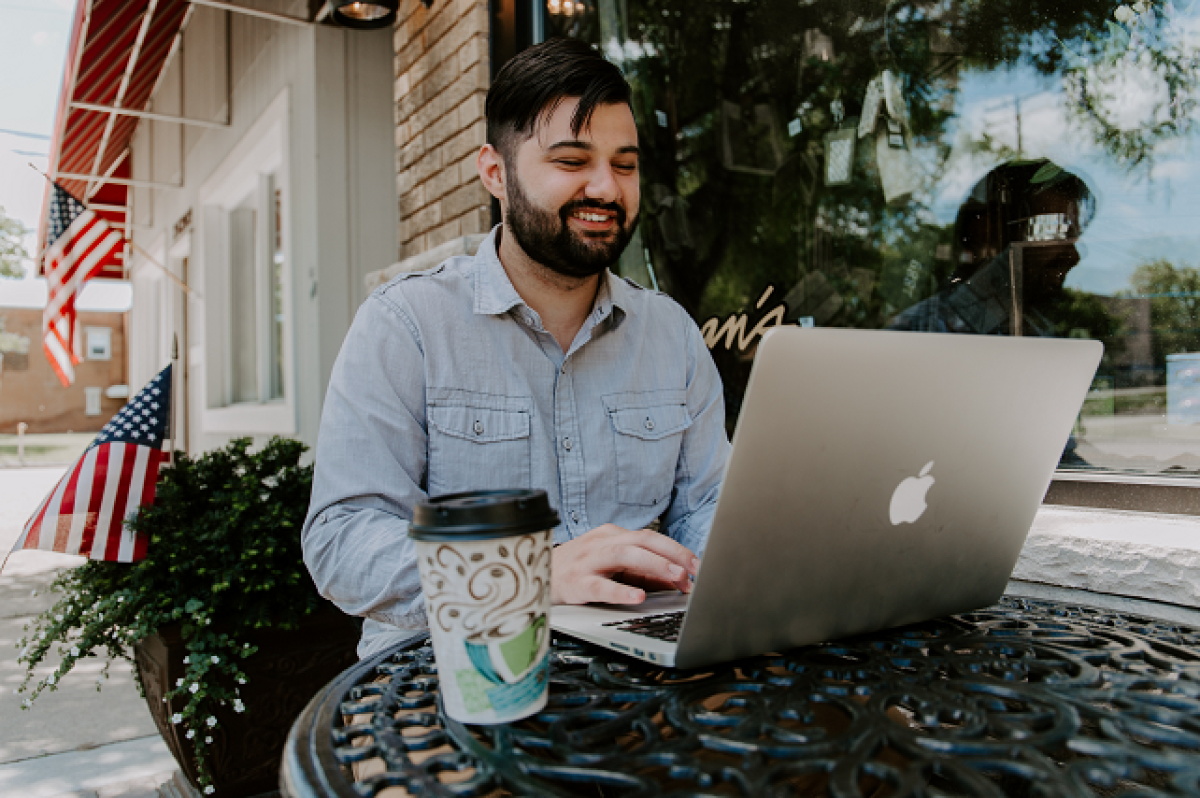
(576, 144)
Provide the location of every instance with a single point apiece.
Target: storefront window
(982, 167)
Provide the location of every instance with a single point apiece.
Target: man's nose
(602, 184)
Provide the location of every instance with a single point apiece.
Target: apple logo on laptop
(908, 502)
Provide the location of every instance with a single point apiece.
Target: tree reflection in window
(826, 149)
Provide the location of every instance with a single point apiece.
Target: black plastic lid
(482, 515)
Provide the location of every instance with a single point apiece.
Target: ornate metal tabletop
(1031, 698)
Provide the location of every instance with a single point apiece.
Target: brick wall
(441, 80)
(33, 393)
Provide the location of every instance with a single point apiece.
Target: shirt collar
(495, 295)
(494, 292)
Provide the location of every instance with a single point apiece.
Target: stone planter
(287, 670)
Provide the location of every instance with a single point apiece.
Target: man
(527, 365)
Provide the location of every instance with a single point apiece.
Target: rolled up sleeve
(370, 467)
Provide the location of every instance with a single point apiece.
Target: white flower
(211, 721)
(177, 718)
(58, 617)
(241, 680)
(187, 660)
(209, 790)
(208, 740)
(1139, 7)
(74, 651)
(207, 621)
(51, 679)
(26, 704)
(238, 706)
(216, 660)
(120, 599)
(179, 682)
(191, 734)
(193, 688)
(1124, 15)
(245, 645)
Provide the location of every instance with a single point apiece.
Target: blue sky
(33, 47)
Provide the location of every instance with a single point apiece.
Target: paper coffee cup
(485, 571)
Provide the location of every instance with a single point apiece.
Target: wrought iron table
(1028, 697)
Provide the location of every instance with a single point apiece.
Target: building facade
(30, 392)
(277, 219)
(954, 167)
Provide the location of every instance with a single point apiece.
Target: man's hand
(612, 565)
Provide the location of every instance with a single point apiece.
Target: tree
(12, 249)
(1174, 294)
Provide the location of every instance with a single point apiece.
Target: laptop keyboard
(662, 627)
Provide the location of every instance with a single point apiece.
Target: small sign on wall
(91, 401)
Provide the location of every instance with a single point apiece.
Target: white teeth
(592, 217)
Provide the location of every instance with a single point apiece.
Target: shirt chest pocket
(480, 444)
(647, 433)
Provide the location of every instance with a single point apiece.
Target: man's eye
(569, 162)
(625, 167)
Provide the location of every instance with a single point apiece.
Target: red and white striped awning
(116, 56)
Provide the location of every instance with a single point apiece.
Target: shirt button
(574, 517)
(478, 427)
(649, 423)
(567, 444)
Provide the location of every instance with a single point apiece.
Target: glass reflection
(985, 167)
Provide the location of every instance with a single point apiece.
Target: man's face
(572, 200)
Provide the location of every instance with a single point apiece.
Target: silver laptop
(876, 479)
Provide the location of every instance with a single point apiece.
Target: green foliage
(12, 249)
(223, 559)
(1174, 295)
(1079, 314)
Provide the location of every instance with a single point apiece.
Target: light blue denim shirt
(447, 382)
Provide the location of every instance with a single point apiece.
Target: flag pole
(171, 397)
(132, 243)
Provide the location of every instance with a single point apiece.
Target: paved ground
(76, 741)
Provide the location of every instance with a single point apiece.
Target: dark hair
(533, 83)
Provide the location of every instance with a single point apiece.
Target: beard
(547, 238)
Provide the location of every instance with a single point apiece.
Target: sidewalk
(74, 742)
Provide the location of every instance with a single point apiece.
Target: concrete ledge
(1148, 556)
(465, 245)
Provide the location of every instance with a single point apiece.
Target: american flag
(79, 245)
(86, 512)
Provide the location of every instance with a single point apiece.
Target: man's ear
(491, 171)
